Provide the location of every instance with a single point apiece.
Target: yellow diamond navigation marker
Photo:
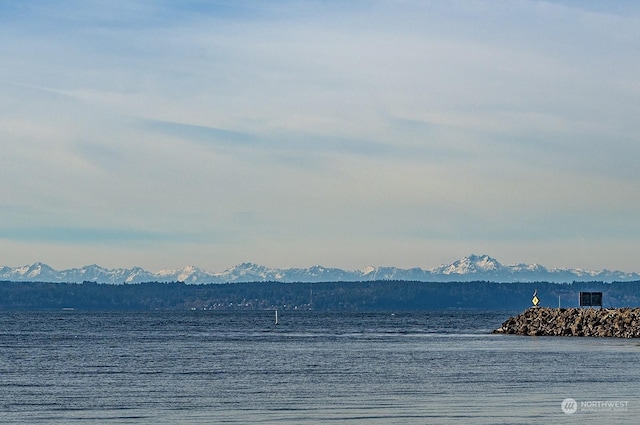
(535, 300)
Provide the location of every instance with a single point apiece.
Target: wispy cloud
(305, 132)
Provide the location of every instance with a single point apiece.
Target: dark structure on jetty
(541, 321)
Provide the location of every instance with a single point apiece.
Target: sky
(291, 133)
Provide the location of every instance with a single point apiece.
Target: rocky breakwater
(540, 321)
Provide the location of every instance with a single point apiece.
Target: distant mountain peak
(368, 270)
(471, 268)
(473, 264)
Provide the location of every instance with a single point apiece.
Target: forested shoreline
(329, 296)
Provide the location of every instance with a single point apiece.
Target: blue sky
(341, 133)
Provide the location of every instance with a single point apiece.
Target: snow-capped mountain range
(471, 268)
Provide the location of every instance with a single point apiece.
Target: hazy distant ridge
(473, 267)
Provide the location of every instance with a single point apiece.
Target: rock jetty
(540, 321)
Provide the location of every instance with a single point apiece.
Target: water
(313, 368)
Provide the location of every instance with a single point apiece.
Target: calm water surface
(313, 368)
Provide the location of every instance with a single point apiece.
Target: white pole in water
(276, 317)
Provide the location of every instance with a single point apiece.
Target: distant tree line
(329, 296)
